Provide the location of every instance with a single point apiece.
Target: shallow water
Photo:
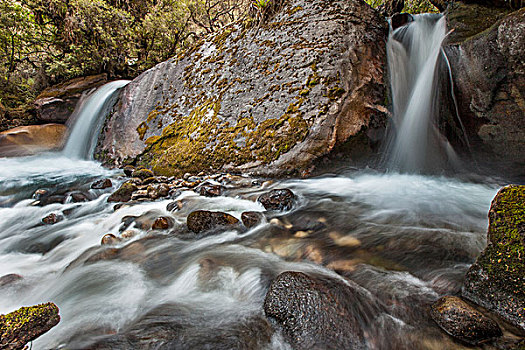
(404, 239)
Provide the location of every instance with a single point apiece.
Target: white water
(413, 237)
(415, 144)
(88, 119)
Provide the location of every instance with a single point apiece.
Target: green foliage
(45, 42)
(411, 6)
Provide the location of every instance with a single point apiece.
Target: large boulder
(488, 72)
(56, 103)
(26, 324)
(318, 312)
(496, 280)
(270, 98)
(27, 140)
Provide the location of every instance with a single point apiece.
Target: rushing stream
(404, 239)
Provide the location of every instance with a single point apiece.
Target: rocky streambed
(350, 260)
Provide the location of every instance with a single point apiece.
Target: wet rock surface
(202, 220)
(282, 199)
(31, 139)
(462, 321)
(315, 312)
(284, 100)
(123, 194)
(101, 184)
(252, 218)
(496, 280)
(489, 79)
(56, 103)
(26, 324)
(52, 219)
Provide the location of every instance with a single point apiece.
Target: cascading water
(415, 144)
(88, 119)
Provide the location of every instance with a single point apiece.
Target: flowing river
(404, 239)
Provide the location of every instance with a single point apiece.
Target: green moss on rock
(26, 324)
(203, 141)
(497, 279)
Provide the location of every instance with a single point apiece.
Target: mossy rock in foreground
(496, 280)
(26, 324)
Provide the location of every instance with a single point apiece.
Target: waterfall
(88, 118)
(415, 144)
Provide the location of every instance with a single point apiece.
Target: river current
(405, 239)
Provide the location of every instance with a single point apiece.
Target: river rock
(315, 312)
(210, 190)
(101, 184)
(123, 194)
(270, 99)
(203, 220)
(163, 223)
(489, 82)
(462, 321)
(282, 199)
(251, 218)
(110, 239)
(57, 103)
(31, 139)
(496, 280)
(128, 170)
(158, 190)
(52, 219)
(142, 173)
(26, 324)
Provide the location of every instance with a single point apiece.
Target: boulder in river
(209, 190)
(142, 173)
(202, 220)
(496, 280)
(163, 223)
(318, 312)
(26, 324)
(123, 194)
(52, 219)
(462, 321)
(270, 99)
(31, 139)
(252, 218)
(281, 199)
(101, 184)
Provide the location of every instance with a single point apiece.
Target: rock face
(462, 321)
(489, 78)
(268, 99)
(496, 280)
(26, 324)
(27, 140)
(56, 103)
(315, 313)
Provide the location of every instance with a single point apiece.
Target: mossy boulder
(269, 99)
(123, 194)
(26, 324)
(462, 321)
(496, 280)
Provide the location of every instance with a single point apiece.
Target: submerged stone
(462, 321)
(318, 312)
(496, 280)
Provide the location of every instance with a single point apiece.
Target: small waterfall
(88, 119)
(415, 144)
